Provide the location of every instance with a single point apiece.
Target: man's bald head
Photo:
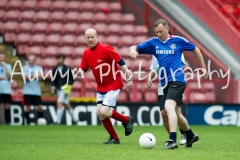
(91, 31)
(91, 37)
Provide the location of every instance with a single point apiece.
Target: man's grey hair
(161, 21)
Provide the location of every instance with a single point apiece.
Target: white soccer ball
(41, 122)
(147, 140)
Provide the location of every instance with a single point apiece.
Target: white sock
(70, 111)
(59, 115)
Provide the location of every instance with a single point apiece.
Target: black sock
(27, 117)
(40, 114)
(173, 136)
(7, 116)
(189, 134)
(182, 132)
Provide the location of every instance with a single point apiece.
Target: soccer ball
(41, 122)
(147, 140)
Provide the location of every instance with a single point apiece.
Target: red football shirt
(100, 59)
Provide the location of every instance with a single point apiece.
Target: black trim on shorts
(174, 91)
(5, 98)
(32, 99)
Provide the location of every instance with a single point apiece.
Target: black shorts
(5, 98)
(174, 91)
(32, 100)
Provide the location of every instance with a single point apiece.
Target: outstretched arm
(201, 60)
(127, 74)
(133, 52)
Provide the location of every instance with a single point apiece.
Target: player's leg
(38, 103)
(70, 110)
(110, 99)
(28, 103)
(60, 101)
(107, 124)
(161, 102)
(183, 124)
(7, 104)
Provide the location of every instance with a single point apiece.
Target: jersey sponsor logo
(156, 47)
(165, 51)
(173, 46)
(99, 60)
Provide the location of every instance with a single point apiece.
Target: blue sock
(173, 136)
(189, 134)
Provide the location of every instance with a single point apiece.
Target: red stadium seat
(140, 39)
(80, 41)
(10, 37)
(3, 4)
(101, 39)
(193, 87)
(100, 18)
(14, 85)
(101, 28)
(87, 6)
(227, 9)
(40, 27)
(36, 50)
(78, 51)
(141, 30)
(50, 51)
(124, 51)
(197, 98)
(126, 41)
(112, 40)
(208, 86)
(38, 39)
(100, 6)
(22, 49)
(123, 96)
(69, 28)
(12, 15)
(127, 29)
(210, 97)
(135, 97)
(41, 16)
(25, 27)
(113, 29)
(238, 24)
(76, 63)
(82, 27)
(49, 62)
(77, 86)
(68, 62)
(44, 5)
(10, 26)
(26, 16)
(12, 4)
(54, 28)
(73, 5)
(58, 5)
(56, 16)
(52, 39)
(28, 4)
(86, 17)
(66, 50)
(128, 19)
(115, 18)
(151, 96)
(72, 17)
(115, 7)
(22, 38)
(75, 93)
(2, 14)
(67, 40)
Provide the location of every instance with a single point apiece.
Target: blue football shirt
(168, 54)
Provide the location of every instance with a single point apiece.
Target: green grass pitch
(85, 143)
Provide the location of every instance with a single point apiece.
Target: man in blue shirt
(168, 51)
(31, 89)
(5, 86)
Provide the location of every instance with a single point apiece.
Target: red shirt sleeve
(112, 54)
(84, 65)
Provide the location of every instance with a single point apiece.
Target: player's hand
(2, 63)
(206, 74)
(133, 54)
(53, 89)
(130, 85)
(149, 84)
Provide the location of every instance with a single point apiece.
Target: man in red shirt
(104, 63)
